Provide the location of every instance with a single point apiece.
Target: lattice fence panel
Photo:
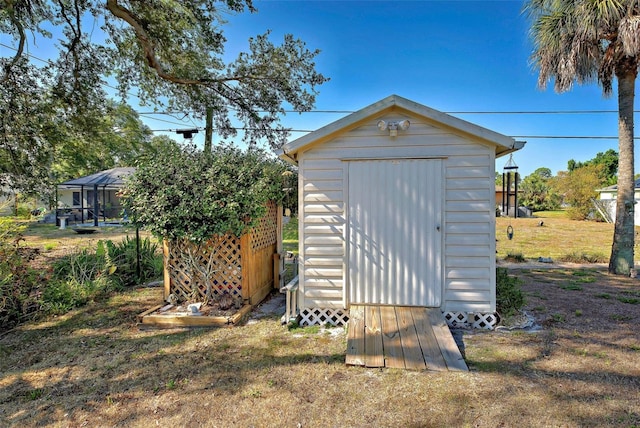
(480, 321)
(219, 256)
(265, 233)
(313, 316)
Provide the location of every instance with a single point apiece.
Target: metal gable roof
(111, 177)
(614, 188)
(504, 144)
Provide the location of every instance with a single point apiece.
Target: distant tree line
(574, 189)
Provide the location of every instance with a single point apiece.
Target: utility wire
(446, 112)
(569, 137)
(171, 122)
(351, 111)
(529, 137)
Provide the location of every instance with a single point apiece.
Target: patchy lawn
(558, 238)
(53, 242)
(94, 367)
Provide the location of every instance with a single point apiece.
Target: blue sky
(453, 56)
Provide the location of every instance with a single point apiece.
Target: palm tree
(588, 41)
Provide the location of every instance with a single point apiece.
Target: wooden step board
(401, 337)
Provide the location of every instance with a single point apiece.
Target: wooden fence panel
(242, 267)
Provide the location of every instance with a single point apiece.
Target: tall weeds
(89, 274)
(19, 283)
(73, 280)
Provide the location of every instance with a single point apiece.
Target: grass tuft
(571, 286)
(629, 300)
(582, 257)
(515, 258)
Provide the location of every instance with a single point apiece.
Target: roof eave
(517, 145)
(504, 144)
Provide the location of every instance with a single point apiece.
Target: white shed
(397, 207)
(606, 205)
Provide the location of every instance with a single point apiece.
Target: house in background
(606, 204)
(93, 197)
(397, 207)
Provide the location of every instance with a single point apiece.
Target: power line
(529, 137)
(569, 137)
(171, 122)
(353, 111)
(446, 112)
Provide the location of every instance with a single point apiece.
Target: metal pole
(515, 196)
(138, 272)
(95, 205)
(508, 192)
(82, 204)
(504, 193)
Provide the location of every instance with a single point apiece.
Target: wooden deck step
(401, 337)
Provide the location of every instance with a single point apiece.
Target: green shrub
(183, 193)
(123, 256)
(61, 296)
(81, 266)
(24, 212)
(19, 295)
(73, 280)
(509, 295)
(115, 261)
(78, 278)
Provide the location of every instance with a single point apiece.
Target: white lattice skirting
(315, 316)
(472, 320)
(338, 317)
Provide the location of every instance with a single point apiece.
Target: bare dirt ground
(95, 367)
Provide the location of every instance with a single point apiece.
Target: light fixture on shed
(393, 127)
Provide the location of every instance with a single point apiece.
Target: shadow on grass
(98, 352)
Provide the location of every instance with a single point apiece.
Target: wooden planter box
(243, 267)
(153, 318)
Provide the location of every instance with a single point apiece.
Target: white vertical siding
(394, 246)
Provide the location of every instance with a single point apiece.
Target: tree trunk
(208, 131)
(621, 261)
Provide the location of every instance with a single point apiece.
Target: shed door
(394, 223)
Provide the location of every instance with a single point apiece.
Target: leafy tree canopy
(543, 172)
(498, 180)
(56, 119)
(184, 193)
(579, 189)
(609, 162)
(42, 142)
(167, 52)
(538, 192)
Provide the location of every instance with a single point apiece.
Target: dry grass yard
(95, 367)
(54, 242)
(557, 238)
